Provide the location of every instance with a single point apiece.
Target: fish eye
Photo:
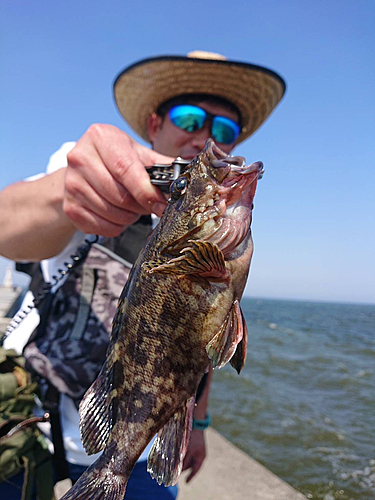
(178, 187)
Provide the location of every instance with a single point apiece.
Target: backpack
(22, 446)
(69, 346)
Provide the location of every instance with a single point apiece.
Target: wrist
(202, 424)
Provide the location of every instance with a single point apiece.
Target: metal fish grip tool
(162, 175)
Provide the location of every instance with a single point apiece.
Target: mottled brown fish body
(178, 313)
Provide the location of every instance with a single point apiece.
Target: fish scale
(178, 313)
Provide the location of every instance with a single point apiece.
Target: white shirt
(18, 338)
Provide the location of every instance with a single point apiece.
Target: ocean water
(304, 405)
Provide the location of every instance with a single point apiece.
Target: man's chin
(188, 155)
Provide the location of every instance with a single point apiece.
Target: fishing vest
(69, 346)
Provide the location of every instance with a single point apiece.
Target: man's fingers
(89, 173)
(190, 476)
(196, 465)
(134, 177)
(188, 462)
(195, 455)
(111, 203)
(148, 156)
(106, 185)
(92, 223)
(126, 160)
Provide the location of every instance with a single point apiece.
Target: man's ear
(154, 124)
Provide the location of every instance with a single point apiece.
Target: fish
(178, 314)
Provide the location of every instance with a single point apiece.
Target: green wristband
(201, 425)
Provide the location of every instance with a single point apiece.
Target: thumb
(148, 157)
(160, 158)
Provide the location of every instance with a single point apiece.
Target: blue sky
(315, 207)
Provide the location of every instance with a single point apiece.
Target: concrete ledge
(7, 297)
(228, 473)
(4, 322)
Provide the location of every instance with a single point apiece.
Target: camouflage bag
(22, 446)
(69, 346)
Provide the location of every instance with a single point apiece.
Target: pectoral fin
(167, 454)
(201, 258)
(150, 265)
(222, 347)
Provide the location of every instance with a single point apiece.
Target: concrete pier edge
(229, 473)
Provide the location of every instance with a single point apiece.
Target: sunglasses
(191, 118)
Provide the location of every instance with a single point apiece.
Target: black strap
(85, 299)
(201, 386)
(130, 243)
(51, 404)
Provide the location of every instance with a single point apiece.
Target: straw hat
(142, 87)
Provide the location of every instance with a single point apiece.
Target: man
(101, 185)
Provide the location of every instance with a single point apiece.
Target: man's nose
(199, 137)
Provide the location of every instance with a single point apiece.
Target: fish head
(211, 201)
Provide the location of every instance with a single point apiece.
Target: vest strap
(87, 292)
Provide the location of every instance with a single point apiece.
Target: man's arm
(196, 452)
(33, 223)
(104, 189)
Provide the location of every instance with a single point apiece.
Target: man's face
(170, 140)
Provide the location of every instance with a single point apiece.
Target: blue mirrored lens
(191, 118)
(186, 117)
(224, 130)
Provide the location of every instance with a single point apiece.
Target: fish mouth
(221, 163)
(236, 181)
(236, 185)
(230, 170)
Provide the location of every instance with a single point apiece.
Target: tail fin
(101, 481)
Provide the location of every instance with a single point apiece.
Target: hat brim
(142, 87)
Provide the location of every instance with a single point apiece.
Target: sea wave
(304, 404)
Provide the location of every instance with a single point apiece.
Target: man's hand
(106, 185)
(196, 453)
